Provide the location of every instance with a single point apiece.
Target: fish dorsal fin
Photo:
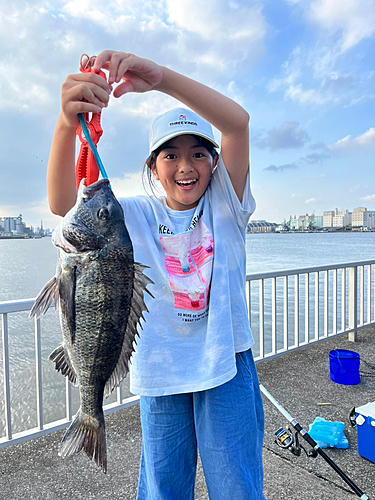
(48, 294)
(137, 306)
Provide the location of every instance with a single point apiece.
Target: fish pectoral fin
(63, 364)
(48, 294)
(67, 291)
(137, 306)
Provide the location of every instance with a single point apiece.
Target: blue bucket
(344, 367)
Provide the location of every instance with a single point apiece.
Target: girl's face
(184, 170)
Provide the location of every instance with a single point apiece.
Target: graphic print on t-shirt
(188, 260)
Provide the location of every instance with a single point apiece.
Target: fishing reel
(352, 417)
(287, 441)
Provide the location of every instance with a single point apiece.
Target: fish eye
(103, 214)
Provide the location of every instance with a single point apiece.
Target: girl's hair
(148, 179)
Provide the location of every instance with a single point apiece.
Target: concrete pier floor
(298, 380)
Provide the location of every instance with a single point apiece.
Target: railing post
(285, 312)
(38, 373)
(326, 303)
(8, 421)
(248, 299)
(361, 296)
(307, 307)
(68, 399)
(119, 393)
(316, 305)
(334, 302)
(273, 315)
(368, 317)
(343, 299)
(296, 310)
(261, 318)
(352, 303)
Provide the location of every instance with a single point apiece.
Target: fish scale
(100, 292)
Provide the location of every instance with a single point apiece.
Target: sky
(303, 69)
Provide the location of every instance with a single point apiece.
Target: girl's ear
(154, 171)
(216, 159)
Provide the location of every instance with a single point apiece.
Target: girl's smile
(184, 168)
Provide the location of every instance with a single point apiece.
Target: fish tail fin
(86, 433)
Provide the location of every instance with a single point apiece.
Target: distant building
(371, 219)
(363, 218)
(261, 226)
(318, 221)
(293, 223)
(359, 217)
(328, 218)
(305, 221)
(13, 225)
(342, 218)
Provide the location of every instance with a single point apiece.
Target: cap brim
(181, 132)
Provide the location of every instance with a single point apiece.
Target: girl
(193, 365)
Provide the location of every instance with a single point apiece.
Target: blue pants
(225, 423)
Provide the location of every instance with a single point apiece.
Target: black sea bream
(99, 289)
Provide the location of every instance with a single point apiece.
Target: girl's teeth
(186, 183)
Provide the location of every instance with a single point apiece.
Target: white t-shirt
(198, 319)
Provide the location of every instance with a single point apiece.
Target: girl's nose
(184, 165)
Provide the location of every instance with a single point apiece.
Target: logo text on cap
(183, 123)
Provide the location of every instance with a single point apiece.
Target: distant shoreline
(22, 237)
(310, 232)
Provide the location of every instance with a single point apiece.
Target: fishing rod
(286, 440)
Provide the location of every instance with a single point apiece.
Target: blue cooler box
(365, 419)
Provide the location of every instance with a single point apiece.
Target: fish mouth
(88, 192)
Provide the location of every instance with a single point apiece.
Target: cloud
(353, 19)
(281, 168)
(320, 176)
(321, 153)
(310, 200)
(289, 135)
(40, 41)
(368, 197)
(128, 185)
(210, 38)
(331, 89)
(322, 74)
(367, 139)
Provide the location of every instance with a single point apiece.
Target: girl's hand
(83, 93)
(137, 74)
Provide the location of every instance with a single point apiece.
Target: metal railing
(284, 315)
(291, 309)
(41, 429)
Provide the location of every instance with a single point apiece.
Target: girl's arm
(141, 75)
(224, 114)
(61, 184)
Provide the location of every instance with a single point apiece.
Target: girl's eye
(198, 155)
(171, 156)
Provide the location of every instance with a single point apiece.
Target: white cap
(179, 121)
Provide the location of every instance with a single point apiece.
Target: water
(272, 252)
(27, 265)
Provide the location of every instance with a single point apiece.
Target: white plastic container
(365, 419)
